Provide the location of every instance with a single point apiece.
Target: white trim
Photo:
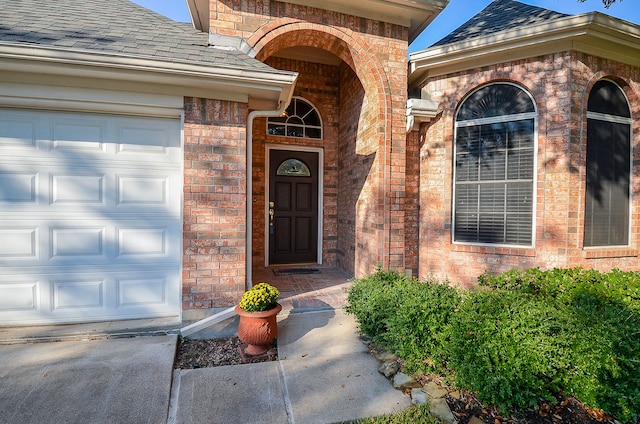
(498, 119)
(591, 33)
(415, 15)
(182, 151)
(47, 97)
(294, 148)
(188, 79)
(609, 118)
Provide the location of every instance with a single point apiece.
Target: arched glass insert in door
(300, 119)
(293, 168)
(494, 167)
(607, 207)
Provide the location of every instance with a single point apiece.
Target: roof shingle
(500, 15)
(117, 27)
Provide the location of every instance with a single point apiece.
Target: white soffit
(413, 14)
(592, 33)
(199, 11)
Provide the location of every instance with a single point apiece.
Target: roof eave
(187, 79)
(592, 33)
(413, 14)
(199, 12)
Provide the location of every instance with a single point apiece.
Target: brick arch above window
(350, 47)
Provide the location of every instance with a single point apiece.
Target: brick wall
(214, 238)
(353, 170)
(560, 85)
(376, 52)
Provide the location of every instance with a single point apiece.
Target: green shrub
(523, 338)
(418, 330)
(374, 299)
(593, 352)
(505, 345)
(406, 316)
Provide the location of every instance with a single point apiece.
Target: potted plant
(258, 327)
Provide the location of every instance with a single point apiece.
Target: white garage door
(90, 217)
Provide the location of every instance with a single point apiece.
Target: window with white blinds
(494, 174)
(607, 206)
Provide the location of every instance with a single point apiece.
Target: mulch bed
(212, 353)
(567, 411)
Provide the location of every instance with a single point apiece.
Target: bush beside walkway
(522, 338)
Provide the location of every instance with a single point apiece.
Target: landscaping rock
(434, 391)
(402, 381)
(418, 397)
(438, 406)
(476, 420)
(389, 368)
(439, 409)
(365, 339)
(384, 355)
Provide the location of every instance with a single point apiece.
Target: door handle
(272, 212)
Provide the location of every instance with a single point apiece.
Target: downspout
(252, 115)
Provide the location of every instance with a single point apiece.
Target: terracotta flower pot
(258, 329)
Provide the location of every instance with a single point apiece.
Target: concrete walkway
(124, 380)
(324, 375)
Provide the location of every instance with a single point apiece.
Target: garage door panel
(77, 188)
(18, 187)
(81, 137)
(94, 295)
(70, 242)
(147, 292)
(142, 242)
(18, 132)
(76, 295)
(142, 190)
(90, 217)
(151, 137)
(19, 242)
(19, 296)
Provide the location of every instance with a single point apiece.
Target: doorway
(293, 206)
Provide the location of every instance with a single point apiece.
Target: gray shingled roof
(499, 16)
(117, 27)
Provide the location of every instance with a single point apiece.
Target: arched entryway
(346, 85)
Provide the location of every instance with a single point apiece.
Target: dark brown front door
(293, 207)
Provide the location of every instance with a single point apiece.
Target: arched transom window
(300, 119)
(494, 169)
(606, 220)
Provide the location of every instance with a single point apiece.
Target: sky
(454, 15)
